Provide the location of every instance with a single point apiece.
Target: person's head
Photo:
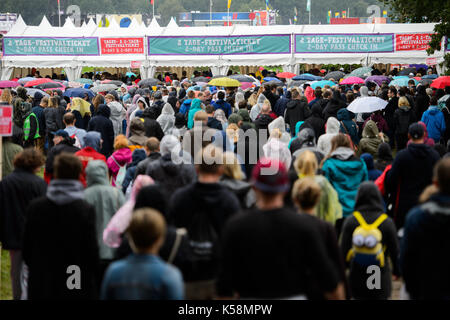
(30, 159)
(69, 119)
(441, 176)
(59, 136)
(306, 164)
(157, 96)
(220, 95)
(403, 102)
(327, 94)
(109, 98)
(266, 108)
(306, 194)
(210, 110)
(44, 102)
(340, 140)
(191, 94)
(67, 166)
(231, 167)
(392, 92)
(433, 101)
(93, 139)
(350, 96)
(211, 167)
(98, 100)
(296, 95)
(270, 182)
(152, 145)
(201, 117)
(416, 133)
(146, 231)
(201, 96)
(6, 96)
(120, 142)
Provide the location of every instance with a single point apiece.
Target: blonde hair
(276, 133)
(306, 164)
(306, 193)
(120, 142)
(6, 96)
(200, 116)
(232, 168)
(252, 100)
(146, 227)
(110, 96)
(45, 101)
(233, 132)
(403, 101)
(53, 102)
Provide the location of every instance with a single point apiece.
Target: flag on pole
(329, 16)
(344, 14)
(336, 14)
(295, 16)
(384, 14)
(152, 2)
(228, 6)
(308, 5)
(267, 5)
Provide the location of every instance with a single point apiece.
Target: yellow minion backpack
(367, 248)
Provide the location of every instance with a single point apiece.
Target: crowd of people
(181, 191)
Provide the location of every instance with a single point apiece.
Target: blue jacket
(185, 106)
(345, 172)
(196, 105)
(222, 104)
(435, 122)
(142, 277)
(344, 116)
(373, 173)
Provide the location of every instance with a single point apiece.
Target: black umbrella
(50, 85)
(277, 83)
(407, 71)
(297, 83)
(336, 75)
(150, 82)
(425, 81)
(200, 79)
(242, 78)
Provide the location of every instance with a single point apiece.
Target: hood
(364, 91)
(136, 97)
(278, 123)
(180, 120)
(385, 152)
(404, 108)
(343, 115)
(264, 119)
(368, 159)
(433, 110)
(234, 118)
(65, 191)
(142, 99)
(96, 173)
(104, 110)
(151, 196)
(368, 198)
(306, 138)
(245, 115)
(137, 127)
(332, 125)
(22, 93)
(150, 113)
(168, 110)
(196, 104)
(238, 98)
(420, 150)
(294, 103)
(170, 144)
(342, 153)
(261, 99)
(276, 149)
(92, 139)
(370, 130)
(137, 156)
(316, 110)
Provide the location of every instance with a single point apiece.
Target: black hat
(416, 131)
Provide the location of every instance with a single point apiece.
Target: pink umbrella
(352, 80)
(246, 85)
(37, 82)
(9, 84)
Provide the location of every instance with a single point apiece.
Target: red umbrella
(36, 82)
(286, 75)
(9, 84)
(441, 82)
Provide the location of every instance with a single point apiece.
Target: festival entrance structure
(218, 48)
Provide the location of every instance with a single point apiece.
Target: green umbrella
(361, 72)
(84, 80)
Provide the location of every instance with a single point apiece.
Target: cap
(416, 131)
(157, 95)
(61, 133)
(270, 175)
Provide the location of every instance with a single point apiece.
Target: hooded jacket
(122, 157)
(348, 126)
(403, 117)
(246, 117)
(137, 156)
(256, 109)
(151, 126)
(64, 146)
(332, 129)
(117, 115)
(223, 105)
(196, 105)
(384, 156)
(426, 140)
(372, 172)
(305, 141)
(279, 124)
(315, 121)
(105, 199)
(167, 119)
(137, 133)
(370, 139)
(404, 176)
(422, 101)
(185, 106)
(333, 106)
(101, 123)
(370, 204)
(89, 152)
(296, 110)
(379, 121)
(435, 122)
(345, 172)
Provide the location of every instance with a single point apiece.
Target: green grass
(5, 280)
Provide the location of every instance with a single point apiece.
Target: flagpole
(59, 13)
(153, 4)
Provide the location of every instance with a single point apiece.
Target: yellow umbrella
(81, 106)
(224, 82)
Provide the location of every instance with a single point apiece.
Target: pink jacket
(121, 157)
(309, 94)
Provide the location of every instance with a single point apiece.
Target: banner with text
(31, 46)
(412, 42)
(122, 45)
(220, 45)
(344, 43)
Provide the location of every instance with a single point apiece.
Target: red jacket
(87, 154)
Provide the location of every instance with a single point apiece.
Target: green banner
(343, 43)
(31, 46)
(220, 45)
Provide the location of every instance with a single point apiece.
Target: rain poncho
(219, 114)
(256, 109)
(167, 119)
(239, 96)
(370, 139)
(118, 113)
(332, 129)
(196, 105)
(279, 124)
(276, 149)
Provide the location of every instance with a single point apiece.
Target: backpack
(367, 248)
(121, 174)
(77, 141)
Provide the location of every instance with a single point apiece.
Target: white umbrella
(367, 105)
(104, 87)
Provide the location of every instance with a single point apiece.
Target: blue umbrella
(195, 88)
(131, 74)
(402, 82)
(428, 76)
(322, 83)
(78, 92)
(307, 76)
(267, 79)
(400, 77)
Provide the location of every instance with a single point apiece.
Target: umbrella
(267, 79)
(194, 88)
(307, 76)
(78, 92)
(116, 82)
(360, 72)
(36, 82)
(130, 74)
(200, 79)
(426, 81)
(407, 71)
(218, 76)
(378, 79)
(367, 105)
(322, 83)
(430, 76)
(336, 75)
(241, 78)
(296, 83)
(84, 81)
(402, 82)
(273, 82)
(246, 85)
(352, 80)
(51, 85)
(25, 80)
(441, 82)
(73, 84)
(224, 82)
(400, 77)
(286, 75)
(9, 84)
(32, 91)
(150, 82)
(104, 87)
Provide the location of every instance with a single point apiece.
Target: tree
(425, 11)
(168, 9)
